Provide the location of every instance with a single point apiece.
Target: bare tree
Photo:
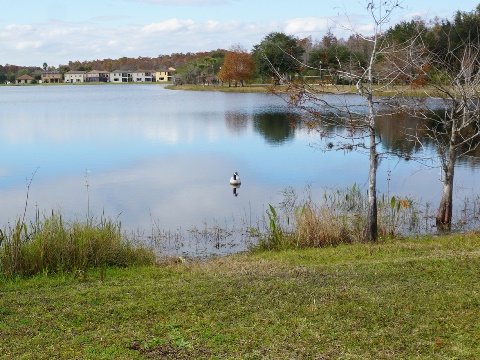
(353, 120)
(451, 110)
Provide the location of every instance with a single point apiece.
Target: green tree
(405, 31)
(64, 69)
(334, 60)
(45, 66)
(277, 53)
(450, 37)
(201, 70)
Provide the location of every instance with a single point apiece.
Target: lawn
(414, 298)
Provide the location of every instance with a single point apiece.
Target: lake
(161, 160)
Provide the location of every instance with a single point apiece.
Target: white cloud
(169, 25)
(58, 42)
(25, 45)
(295, 26)
(18, 28)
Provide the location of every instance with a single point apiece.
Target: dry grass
(321, 227)
(338, 219)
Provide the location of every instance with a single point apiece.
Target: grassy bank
(399, 299)
(336, 89)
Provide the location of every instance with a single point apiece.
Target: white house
(143, 76)
(119, 76)
(74, 76)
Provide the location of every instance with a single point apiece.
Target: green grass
(398, 299)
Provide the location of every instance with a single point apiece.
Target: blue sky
(55, 31)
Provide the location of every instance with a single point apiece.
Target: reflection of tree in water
(399, 132)
(236, 122)
(276, 128)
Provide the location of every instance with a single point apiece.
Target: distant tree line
(324, 59)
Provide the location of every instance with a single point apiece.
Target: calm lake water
(160, 159)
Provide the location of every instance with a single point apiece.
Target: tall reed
(52, 245)
(338, 218)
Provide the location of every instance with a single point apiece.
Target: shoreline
(327, 89)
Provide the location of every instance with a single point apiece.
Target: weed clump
(321, 227)
(339, 219)
(56, 246)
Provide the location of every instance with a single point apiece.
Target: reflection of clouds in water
(138, 176)
(176, 192)
(28, 129)
(189, 191)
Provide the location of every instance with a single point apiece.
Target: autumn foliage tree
(238, 67)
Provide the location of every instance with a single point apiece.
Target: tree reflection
(276, 128)
(398, 132)
(406, 136)
(236, 122)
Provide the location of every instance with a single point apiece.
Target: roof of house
(25, 77)
(76, 72)
(98, 72)
(144, 71)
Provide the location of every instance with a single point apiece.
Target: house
(143, 76)
(75, 76)
(119, 76)
(98, 76)
(24, 79)
(52, 77)
(165, 75)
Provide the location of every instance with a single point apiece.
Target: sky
(56, 31)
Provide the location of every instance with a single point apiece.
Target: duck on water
(235, 179)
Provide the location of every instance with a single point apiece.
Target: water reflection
(397, 133)
(276, 128)
(163, 158)
(236, 122)
(235, 189)
(408, 137)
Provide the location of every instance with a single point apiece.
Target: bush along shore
(307, 289)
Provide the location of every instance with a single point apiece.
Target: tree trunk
(444, 214)
(371, 230)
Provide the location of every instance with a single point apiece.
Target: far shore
(332, 89)
(387, 91)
